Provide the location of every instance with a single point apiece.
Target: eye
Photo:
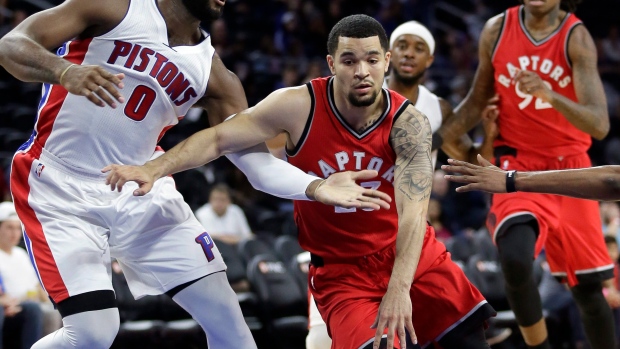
(373, 61)
(348, 62)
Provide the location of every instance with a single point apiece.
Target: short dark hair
(359, 27)
(610, 239)
(221, 188)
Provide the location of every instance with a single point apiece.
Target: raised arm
(596, 183)
(589, 114)
(411, 140)
(469, 112)
(25, 52)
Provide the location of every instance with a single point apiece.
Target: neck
(357, 117)
(408, 90)
(543, 22)
(183, 28)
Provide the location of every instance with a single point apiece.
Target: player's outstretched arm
(411, 141)
(25, 52)
(596, 183)
(272, 116)
(469, 111)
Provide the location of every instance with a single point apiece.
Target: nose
(362, 70)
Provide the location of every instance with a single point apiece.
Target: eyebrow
(368, 53)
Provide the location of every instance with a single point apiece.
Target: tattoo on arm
(411, 140)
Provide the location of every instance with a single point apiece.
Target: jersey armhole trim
(304, 134)
(401, 109)
(568, 35)
(111, 31)
(499, 36)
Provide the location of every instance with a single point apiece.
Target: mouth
(363, 88)
(407, 67)
(536, 3)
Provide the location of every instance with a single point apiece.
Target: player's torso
(161, 84)
(526, 122)
(330, 145)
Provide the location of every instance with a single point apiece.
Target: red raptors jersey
(526, 122)
(330, 145)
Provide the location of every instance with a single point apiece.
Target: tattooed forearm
(411, 140)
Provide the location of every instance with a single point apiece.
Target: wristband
(510, 181)
(65, 72)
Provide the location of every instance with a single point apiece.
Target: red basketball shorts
(569, 229)
(348, 296)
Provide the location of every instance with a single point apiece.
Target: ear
(330, 63)
(388, 56)
(430, 61)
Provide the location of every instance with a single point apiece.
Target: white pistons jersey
(161, 84)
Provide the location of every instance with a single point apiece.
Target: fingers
(143, 190)
(379, 333)
(88, 93)
(110, 82)
(494, 99)
(483, 162)
(411, 330)
(390, 335)
(465, 188)
(102, 94)
(377, 194)
(364, 174)
(402, 337)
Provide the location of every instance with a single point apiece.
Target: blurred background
(272, 44)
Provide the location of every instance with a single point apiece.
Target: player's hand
(94, 83)
(489, 119)
(395, 314)
(531, 83)
(486, 177)
(341, 190)
(613, 298)
(118, 175)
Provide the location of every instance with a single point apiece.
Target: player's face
(410, 58)
(10, 233)
(541, 7)
(359, 66)
(205, 10)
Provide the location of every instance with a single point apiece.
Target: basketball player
(412, 47)
(370, 271)
(541, 61)
(595, 183)
(157, 55)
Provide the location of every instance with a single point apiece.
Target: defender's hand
(395, 314)
(486, 177)
(120, 174)
(489, 119)
(340, 189)
(94, 83)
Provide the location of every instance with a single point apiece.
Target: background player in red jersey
(73, 222)
(541, 61)
(371, 271)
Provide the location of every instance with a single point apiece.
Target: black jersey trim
(401, 109)
(304, 134)
(570, 32)
(332, 105)
(548, 37)
(499, 37)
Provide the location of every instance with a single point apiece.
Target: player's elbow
(602, 128)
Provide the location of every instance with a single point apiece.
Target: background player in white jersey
(155, 51)
(412, 46)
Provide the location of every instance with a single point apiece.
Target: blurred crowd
(272, 44)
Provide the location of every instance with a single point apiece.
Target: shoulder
(491, 31)
(102, 15)
(580, 42)
(414, 119)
